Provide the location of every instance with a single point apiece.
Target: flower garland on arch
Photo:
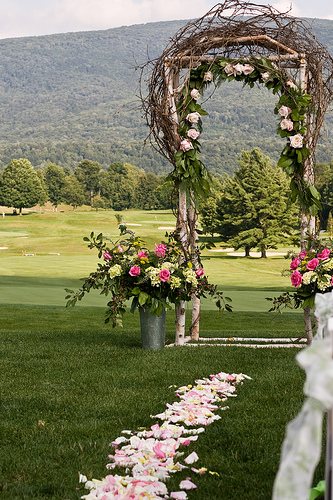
(291, 110)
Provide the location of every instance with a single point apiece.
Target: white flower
(286, 124)
(186, 145)
(238, 69)
(193, 134)
(309, 277)
(208, 76)
(248, 69)
(115, 271)
(193, 117)
(291, 85)
(296, 141)
(284, 111)
(229, 69)
(266, 76)
(195, 94)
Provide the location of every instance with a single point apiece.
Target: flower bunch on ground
(153, 278)
(291, 109)
(149, 457)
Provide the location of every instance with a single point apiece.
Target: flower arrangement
(153, 278)
(291, 110)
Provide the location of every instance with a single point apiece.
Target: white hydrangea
(328, 266)
(191, 277)
(153, 275)
(169, 266)
(175, 282)
(324, 283)
(115, 271)
(309, 277)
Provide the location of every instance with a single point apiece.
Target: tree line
(119, 187)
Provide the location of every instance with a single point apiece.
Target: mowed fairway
(70, 384)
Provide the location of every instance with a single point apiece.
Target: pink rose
(284, 111)
(199, 272)
(302, 255)
(332, 281)
(266, 76)
(291, 85)
(294, 264)
(193, 134)
(296, 141)
(164, 275)
(134, 271)
(208, 76)
(160, 250)
(296, 279)
(120, 249)
(107, 256)
(324, 254)
(287, 124)
(238, 69)
(248, 69)
(195, 94)
(229, 69)
(186, 145)
(193, 117)
(312, 264)
(142, 255)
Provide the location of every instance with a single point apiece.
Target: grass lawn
(69, 384)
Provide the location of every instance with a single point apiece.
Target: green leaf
(143, 296)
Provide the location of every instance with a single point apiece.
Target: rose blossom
(186, 145)
(284, 111)
(107, 256)
(134, 271)
(229, 69)
(286, 124)
(193, 134)
(324, 254)
(199, 272)
(291, 85)
(238, 69)
(142, 255)
(208, 76)
(120, 249)
(160, 250)
(294, 264)
(312, 264)
(302, 255)
(195, 94)
(248, 69)
(296, 141)
(266, 76)
(164, 275)
(193, 117)
(296, 279)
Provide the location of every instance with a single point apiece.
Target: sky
(19, 18)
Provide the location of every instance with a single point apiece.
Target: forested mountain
(73, 96)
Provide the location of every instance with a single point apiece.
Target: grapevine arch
(284, 55)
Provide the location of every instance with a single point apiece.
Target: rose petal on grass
(193, 457)
(187, 484)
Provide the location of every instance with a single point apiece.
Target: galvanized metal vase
(152, 328)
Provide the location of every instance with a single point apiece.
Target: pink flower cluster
(152, 455)
(160, 250)
(311, 265)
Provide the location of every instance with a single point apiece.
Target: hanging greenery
(292, 108)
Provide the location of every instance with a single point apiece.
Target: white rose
(291, 85)
(286, 124)
(186, 145)
(193, 117)
(193, 134)
(238, 69)
(284, 111)
(195, 94)
(266, 76)
(229, 69)
(208, 76)
(296, 141)
(248, 69)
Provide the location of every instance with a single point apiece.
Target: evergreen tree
(55, 180)
(21, 186)
(253, 210)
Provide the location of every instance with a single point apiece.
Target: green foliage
(253, 209)
(73, 192)
(55, 181)
(20, 185)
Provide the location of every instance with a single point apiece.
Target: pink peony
(164, 275)
(296, 279)
(134, 271)
(312, 264)
(294, 264)
(302, 255)
(107, 256)
(284, 111)
(324, 254)
(186, 145)
(193, 134)
(199, 272)
(142, 255)
(160, 250)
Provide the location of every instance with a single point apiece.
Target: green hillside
(72, 96)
